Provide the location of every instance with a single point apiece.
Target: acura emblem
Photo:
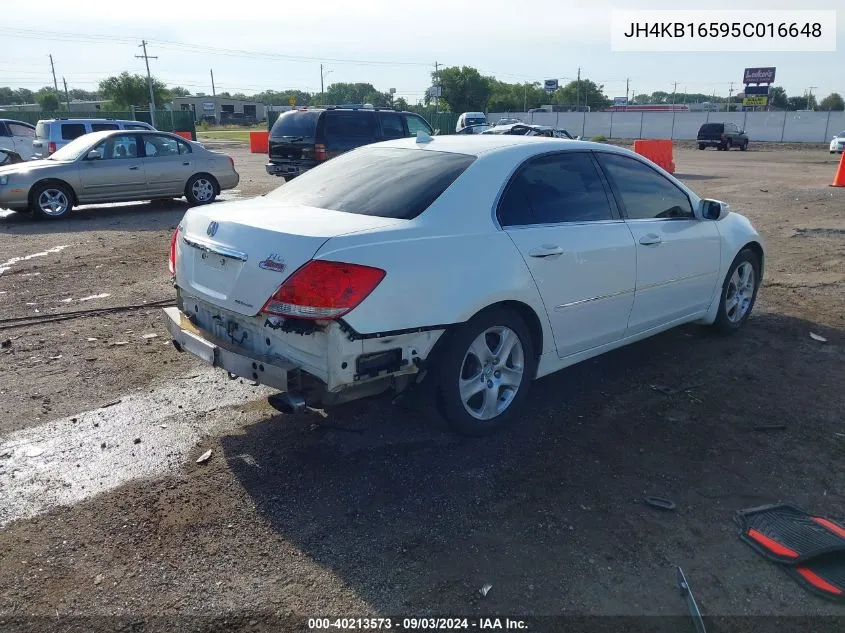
(212, 229)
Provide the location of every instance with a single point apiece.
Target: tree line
(462, 89)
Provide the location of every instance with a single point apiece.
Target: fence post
(827, 127)
(642, 114)
(744, 120)
(672, 133)
(783, 126)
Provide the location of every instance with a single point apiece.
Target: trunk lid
(292, 148)
(711, 132)
(235, 255)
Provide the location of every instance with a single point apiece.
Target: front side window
(644, 192)
(417, 124)
(391, 125)
(21, 130)
(117, 148)
(555, 188)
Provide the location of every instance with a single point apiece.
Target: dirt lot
(372, 509)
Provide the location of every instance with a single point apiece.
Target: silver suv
(53, 134)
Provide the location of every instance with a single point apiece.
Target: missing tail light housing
(320, 151)
(51, 147)
(323, 290)
(172, 263)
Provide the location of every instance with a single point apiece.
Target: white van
(53, 134)
(470, 118)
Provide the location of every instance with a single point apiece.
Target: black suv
(302, 139)
(723, 136)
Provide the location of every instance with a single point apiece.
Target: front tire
(739, 292)
(701, 146)
(201, 189)
(51, 201)
(485, 371)
(744, 146)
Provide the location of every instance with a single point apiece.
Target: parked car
(722, 136)
(53, 134)
(476, 128)
(344, 283)
(116, 166)
(304, 138)
(16, 139)
(470, 118)
(508, 121)
(837, 145)
(527, 129)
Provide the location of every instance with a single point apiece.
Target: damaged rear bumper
(188, 338)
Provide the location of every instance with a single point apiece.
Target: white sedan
(476, 263)
(837, 145)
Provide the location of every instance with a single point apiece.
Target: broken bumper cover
(187, 337)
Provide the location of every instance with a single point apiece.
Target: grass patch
(601, 138)
(223, 135)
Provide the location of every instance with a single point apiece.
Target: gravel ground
(110, 522)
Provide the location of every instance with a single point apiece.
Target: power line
(147, 59)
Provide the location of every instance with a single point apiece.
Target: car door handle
(650, 240)
(186, 164)
(546, 251)
(133, 168)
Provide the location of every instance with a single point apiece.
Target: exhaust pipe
(287, 402)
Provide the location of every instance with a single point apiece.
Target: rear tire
(728, 145)
(201, 189)
(485, 371)
(739, 292)
(701, 146)
(51, 201)
(744, 146)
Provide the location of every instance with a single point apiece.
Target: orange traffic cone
(839, 178)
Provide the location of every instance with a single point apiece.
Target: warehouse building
(221, 109)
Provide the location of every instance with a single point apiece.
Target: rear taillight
(51, 147)
(232, 160)
(323, 290)
(173, 239)
(722, 136)
(320, 151)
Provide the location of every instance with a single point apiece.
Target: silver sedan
(116, 166)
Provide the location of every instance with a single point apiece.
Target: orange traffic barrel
(839, 176)
(259, 142)
(185, 135)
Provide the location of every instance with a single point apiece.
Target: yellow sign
(292, 101)
(755, 101)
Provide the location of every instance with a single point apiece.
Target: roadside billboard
(764, 75)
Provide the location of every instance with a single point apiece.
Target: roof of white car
(477, 144)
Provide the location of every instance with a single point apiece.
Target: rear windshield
(296, 123)
(382, 182)
(712, 128)
(475, 120)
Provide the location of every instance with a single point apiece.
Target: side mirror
(713, 209)
(94, 154)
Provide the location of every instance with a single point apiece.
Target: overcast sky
(515, 41)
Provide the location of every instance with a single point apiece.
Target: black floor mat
(824, 576)
(788, 534)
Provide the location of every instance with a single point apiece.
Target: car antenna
(423, 137)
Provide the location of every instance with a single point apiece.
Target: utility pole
(322, 90)
(53, 68)
(674, 93)
(437, 84)
(147, 59)
(525, 97)
(730, 94)
(578, 90)
(67, 96)
(213, 89)
(627, 87)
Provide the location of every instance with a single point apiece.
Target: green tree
(505, 97)
(833, 101)
(802, 103)
(83, 95)
(463, 89)
(48, 101)
(126, 90)
(179, 91)
(582, 93)
(778, 98)
(642, 98)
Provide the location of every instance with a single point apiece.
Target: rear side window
(134, 126)
(556, 188)
(301, 123)
(41, 130)
(102, 127)
(352, 126)
(71, 131)
(382, 182)
(21, 130)
(4, 131)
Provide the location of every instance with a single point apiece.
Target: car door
(677, 253)
(6, 140)
(113, 171)
(168, 164)
(391, 126)
(559, 214)
(22, 136)
(347, 129)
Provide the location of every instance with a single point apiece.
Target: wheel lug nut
(497, 374)
(490, 384)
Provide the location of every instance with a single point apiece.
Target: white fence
(792, 127)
